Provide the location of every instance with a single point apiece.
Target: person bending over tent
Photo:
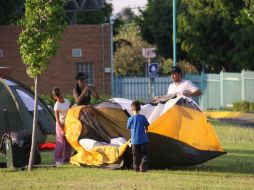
(138, 125)
(179, 87)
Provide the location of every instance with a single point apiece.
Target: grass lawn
(234, 170)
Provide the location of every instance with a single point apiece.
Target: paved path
(237, 118)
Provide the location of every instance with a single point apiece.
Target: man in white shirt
(180, 86)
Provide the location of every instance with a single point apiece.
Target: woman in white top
(63, 149)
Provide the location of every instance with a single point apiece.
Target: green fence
(219, 90)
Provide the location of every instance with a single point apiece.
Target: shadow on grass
(235, 161)
(233, 122)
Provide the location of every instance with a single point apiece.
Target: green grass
(235, 170)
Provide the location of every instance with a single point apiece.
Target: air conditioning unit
(77, 52)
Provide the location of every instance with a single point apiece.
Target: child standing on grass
(138, 125)
(63, 149)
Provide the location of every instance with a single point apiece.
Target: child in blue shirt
(138, 125)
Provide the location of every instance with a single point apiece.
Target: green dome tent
(18, 101)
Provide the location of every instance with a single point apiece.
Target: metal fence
(219, 90)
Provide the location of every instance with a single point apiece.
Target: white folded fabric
(118, 141)
(88, 144)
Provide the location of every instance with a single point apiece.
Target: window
(1, 52)
(76, 52)
(86, 68)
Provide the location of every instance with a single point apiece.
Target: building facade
(83, 48)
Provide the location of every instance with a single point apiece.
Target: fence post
(113, 90)
(221, 89)
(202, 88)
(243, 84)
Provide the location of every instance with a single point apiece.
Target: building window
(76, 52)
(1, 52)
(88, 69)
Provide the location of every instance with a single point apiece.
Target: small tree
(42, 26)
(128, 56)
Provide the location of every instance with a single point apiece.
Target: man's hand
(156, 98)
(189, 93)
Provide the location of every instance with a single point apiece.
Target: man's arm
(83, 93)
(165, 97)
(191, 90)
(195, 93)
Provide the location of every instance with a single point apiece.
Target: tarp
(179, 133)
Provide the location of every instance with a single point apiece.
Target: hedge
(243, 106)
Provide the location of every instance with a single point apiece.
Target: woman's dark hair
(81, 76)
(55, 92)
(136, 105)
(78, 89)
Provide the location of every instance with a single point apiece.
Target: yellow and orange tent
(179, 133)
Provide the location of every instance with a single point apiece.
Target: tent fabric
(18, 101)
(179, 134)
(99, 155)
(188, 126)
(182, 132)
(47, 146)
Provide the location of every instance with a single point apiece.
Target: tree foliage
(42, 25)
(155, 25)
(95, 17)
(243, 51)
(8, 11)
(205, 28)
(183, 64)
(128, 58)
(215, 34)
(125, 16)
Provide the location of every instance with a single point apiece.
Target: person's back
(138, 125)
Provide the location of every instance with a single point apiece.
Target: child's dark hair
(136, 105)
(55, 92)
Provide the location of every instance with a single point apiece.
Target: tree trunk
(33, 146)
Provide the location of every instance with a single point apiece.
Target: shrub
(71, 99)
(47, 100)
(243, 106)
(251, 108)
(50, 102)
(102, 99)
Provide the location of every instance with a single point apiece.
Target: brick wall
(5, 72)
(94, 40)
